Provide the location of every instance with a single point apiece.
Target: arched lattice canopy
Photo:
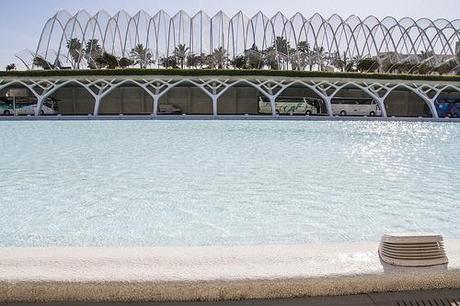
(279, 42)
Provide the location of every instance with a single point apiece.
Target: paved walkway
(446, 297)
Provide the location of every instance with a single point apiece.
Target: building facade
(153, 95)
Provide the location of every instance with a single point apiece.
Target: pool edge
(210, 274)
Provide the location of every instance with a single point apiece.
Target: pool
(200, 183)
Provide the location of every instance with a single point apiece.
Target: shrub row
(215, 72)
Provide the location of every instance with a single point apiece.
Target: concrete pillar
(214, 106)
(156, 99)
(327, 101)
(97, 102)
(432, 106)
(381, 103)
(39, 106)
(273, 105)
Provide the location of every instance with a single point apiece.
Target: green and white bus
(293, 106)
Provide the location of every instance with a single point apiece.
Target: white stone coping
(210, 273)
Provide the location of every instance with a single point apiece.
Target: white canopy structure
(297, 42)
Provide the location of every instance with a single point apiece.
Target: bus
(305, 106)
(448, 108)
(345, 106)
(26, 106)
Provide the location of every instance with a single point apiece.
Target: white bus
(304, 106)
(355, 107)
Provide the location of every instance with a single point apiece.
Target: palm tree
(169, 62)
(254, 58)
(125, 62)
(367, 64)
(239, 62)
(180, 52)
(218, 58)
(303, 46)
(107, 60)
(271, 58)
(76, 52)
(92, 51)
(193, 60)
(43, 63)
(141, 56)
(282, 46)
(320, 55)
(336, 61)
(299, 62)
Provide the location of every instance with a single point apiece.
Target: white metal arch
(353, 36)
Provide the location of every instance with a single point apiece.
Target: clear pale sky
(22, 20)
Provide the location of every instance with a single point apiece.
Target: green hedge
(215, 72)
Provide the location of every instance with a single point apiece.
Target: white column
(156, 99)
(327, 100)
(214, 105)
(97, 103)
(39, 106)
(432, 106)
(381, 103)
(273, 105)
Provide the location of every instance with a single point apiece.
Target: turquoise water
(150, 183)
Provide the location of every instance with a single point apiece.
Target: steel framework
(404, 40)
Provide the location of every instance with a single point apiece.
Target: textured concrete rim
(431, 297)
(210, 273)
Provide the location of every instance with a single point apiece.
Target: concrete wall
(74, 101)
(404, 103)
(191, 100)
(240, 101)
(127, 100)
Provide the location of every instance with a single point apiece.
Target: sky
(22, 20)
